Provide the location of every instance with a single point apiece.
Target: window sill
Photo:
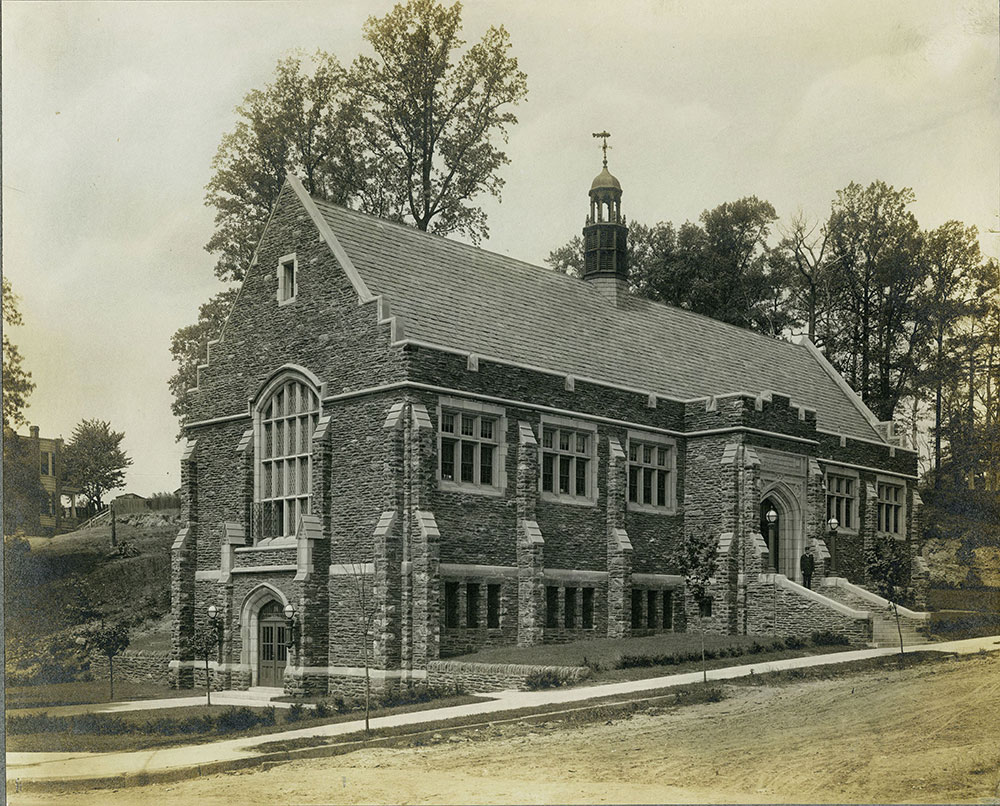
(271, 543)
(893, 535)
(573, 500)
(473, 489)
(651, 510)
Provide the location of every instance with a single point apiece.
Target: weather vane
(604, 146)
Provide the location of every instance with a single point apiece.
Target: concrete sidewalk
(190, 760)
(218, 698)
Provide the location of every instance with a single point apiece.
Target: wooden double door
(272, 645)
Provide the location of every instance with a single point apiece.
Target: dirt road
(926, 734)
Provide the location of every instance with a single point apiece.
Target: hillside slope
(962, 538)
(55, 587)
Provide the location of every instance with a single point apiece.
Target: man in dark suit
(807, 565)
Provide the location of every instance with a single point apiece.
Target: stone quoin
(416, 448)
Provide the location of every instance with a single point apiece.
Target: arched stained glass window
(286, 420)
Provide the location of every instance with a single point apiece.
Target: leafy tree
(952, 256)
(189, 346)
(568, 258)
(802, 255)
(110, 640)
(877, 272)
(697, 559)
(887, 562)
(300, 122)
(94, 461)
(206, 642)
(429, 121)
(735, 282)
(970, 424)
(17, 383)
(720, 268)
(407, 134)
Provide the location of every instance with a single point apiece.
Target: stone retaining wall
(475, 677)
(783, 612)
(137, 666)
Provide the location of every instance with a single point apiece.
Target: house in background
(475, 451)
(58, 513)
(128, 503)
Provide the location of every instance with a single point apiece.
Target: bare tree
(698, 560)
(362, 590)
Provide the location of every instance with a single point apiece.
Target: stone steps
(254, 697)
(884, 630)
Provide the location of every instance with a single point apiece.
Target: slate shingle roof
(459, 296)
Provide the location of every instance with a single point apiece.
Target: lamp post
(833, 524)
(291, 615)
(772, 520)
(216, 622)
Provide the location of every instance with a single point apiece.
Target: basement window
(651, 609)
(472, 604)
(552, 606)
(588, 608)
(569, 612)
(636, 608)
(451, 604)
(493, 606)
(668, 610)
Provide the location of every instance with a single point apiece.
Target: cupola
(605, 234)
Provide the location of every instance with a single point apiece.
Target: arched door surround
(785, 541)
(261, 604)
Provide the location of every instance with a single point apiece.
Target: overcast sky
(112, 113)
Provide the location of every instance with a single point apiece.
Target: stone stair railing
(797, 610)
(912, 624)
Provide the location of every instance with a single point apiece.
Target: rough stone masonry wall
(709, 512)
(324, 329)
(476, 677)
(480, 529)
(135, 666)
(776, 610)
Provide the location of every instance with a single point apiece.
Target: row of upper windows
(842, 503)
(471, 458)
(470, 448)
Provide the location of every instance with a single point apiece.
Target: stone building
(409, 444)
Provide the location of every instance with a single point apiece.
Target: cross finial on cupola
(604, 145)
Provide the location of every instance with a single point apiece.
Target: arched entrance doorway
(784, 536)
(262, 607)
(272, 648)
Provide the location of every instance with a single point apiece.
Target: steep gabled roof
(465, 298)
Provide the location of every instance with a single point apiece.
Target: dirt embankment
(926, 734)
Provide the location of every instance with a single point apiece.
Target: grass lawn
(603, 655)
(90, 691)
(99, 740)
